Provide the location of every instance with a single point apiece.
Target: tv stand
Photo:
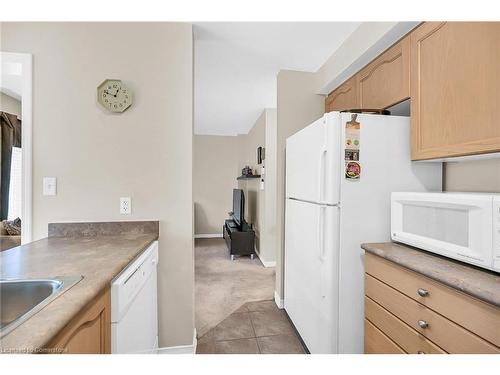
(240, 241)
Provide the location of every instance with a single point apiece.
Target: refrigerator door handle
(322, 173)
(321, 232)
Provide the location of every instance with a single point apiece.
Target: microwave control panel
(496, 233)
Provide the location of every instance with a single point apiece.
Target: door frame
(25, 62)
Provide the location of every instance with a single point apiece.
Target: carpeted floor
(222, 286)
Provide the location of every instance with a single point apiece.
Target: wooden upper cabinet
(455, 89)
(386, 80)
(344, 97)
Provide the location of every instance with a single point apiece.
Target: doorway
(16, 149)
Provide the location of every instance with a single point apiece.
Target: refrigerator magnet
(352, 170)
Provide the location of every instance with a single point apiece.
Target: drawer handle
(422, 292)
(423, 324)
(420, 352)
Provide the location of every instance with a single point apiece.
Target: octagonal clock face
(113, 95)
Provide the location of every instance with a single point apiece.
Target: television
(238, 207)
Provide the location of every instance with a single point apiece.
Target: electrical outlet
(125, 205)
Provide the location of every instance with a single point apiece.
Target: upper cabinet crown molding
(344, 97)
(455, 89)
(386, 80)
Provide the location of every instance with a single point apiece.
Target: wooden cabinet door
(90, 331)
(386, 80)
(455, 89)
(344, 97)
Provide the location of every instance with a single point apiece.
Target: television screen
(238, 206)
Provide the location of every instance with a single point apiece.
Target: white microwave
(462, 226)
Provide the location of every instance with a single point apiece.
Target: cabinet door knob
(423, 324)
(422, 292)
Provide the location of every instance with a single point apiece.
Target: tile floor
(255, 328)
(222, 285)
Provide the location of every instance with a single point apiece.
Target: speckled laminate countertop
(97, 258)
(479, 283)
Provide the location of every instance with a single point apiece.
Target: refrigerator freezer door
(312, 161)
(311, 273)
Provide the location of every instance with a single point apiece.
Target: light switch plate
(125, 205)
(49, 186)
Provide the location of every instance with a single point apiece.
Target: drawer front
(403, 335)
(378, 343)
(479, 317)
(447, 335)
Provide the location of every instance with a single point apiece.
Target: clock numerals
(114, 96)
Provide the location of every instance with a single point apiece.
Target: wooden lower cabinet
(376, 342)
(89, 332)
(441, 321)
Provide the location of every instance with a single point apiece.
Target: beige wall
(268, 240)
(98, 157)
(218, 160)
(215, 168)
(258, 202)
(254, 197)
(298, 106)
(478, 175)
(10, 105)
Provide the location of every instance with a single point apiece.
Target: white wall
(98, 157)
(10, 105)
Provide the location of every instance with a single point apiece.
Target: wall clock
(113, 95)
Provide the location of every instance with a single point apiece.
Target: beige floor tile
(280, 344)
(236, 326)
(240, 346)
(262, 306)
(207, 337)
(206, 347)
(268, 323)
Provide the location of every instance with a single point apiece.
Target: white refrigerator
(328, 216)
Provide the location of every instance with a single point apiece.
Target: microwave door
(454, 225)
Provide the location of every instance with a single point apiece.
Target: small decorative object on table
(247, 171)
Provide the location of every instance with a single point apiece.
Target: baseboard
(183, 349)
(265, 263)
(214, 235)
(279, 302)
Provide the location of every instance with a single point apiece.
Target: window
(15, 187)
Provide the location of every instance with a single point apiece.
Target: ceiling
(236, 65)
(11, 79)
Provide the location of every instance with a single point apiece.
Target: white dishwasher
(134, 307)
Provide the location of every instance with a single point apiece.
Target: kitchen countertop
(97, 258)
(477, 282)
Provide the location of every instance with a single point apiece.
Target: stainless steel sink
(22, 298)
